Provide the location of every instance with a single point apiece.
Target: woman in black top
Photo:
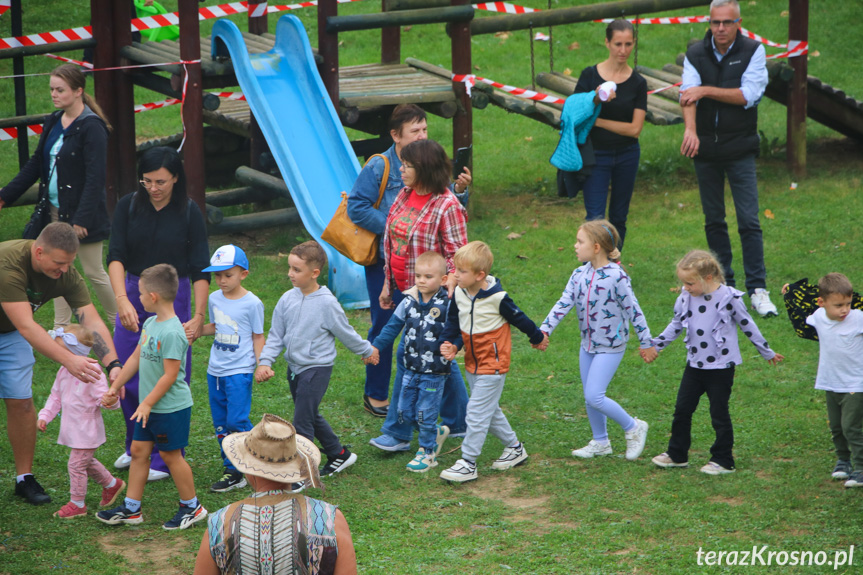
(615, 134)
(69, 162)
(158, 224)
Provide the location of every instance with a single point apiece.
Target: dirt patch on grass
(147, 555)
(730, 501)
(504, 489)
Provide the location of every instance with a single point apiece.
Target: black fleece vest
(725, 131)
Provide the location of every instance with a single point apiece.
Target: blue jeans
(617, 168)
(230, 405)
(419, 404)
(744, 190)
(453, 404)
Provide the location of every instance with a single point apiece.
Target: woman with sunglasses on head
(69, 163)
(158, 224)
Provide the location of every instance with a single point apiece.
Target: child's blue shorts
(169, 431)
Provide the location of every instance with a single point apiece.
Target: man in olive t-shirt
(33, 273)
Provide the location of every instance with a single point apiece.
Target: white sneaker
(664, 460)
(761, 303)
(123, 461)
(460, 472)
(422, 461)
(510, 457)
(592, 449)
(636, 439)
(713, 468)
(156, 475)
(442, 434)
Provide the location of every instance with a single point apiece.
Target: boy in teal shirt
(165, 412)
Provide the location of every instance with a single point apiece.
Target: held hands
(648, 354)
(463, 181)
(448, 351)
(193, 327)
(374, 358)
(41, 425)
(109, 398)
(776, 359)
(543, 345)
(263, 373)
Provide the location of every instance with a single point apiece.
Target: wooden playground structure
(364, 95)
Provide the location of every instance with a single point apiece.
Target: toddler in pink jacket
(81, 425)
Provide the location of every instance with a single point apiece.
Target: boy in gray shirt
(306, 322)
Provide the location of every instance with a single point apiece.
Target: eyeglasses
(726, 23)
(405, 166)
(149, 184)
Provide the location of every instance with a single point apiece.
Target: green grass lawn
(555, 514)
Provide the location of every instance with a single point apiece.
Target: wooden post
(462, 122)
(102, 23)
(124, 98)
(391, 42)
(328, 48)
(798, 29)
(20, 88)
(193, 117)
(258, 24)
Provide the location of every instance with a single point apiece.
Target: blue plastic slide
(292, 107)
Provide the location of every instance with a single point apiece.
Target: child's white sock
(21, 477)
(516, 445)
(79, 504)
(132, 505)
(193, 502)
(112, 484)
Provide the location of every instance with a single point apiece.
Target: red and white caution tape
(795, 48)
(504, 7)
(670, 20)
(469, 80)
(758, 38)
(664, 88)
(260, 10)
(156, 105)
(540, 37)
(87, 65)
(12, 133)
(5, 5)
(230, 95)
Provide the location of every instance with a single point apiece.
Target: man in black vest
(724, 78)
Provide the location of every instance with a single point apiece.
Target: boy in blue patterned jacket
(422, 314)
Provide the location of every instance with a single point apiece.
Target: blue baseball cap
(227, 257)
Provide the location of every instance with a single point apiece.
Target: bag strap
(384, 179)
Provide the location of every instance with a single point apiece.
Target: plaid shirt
(441, 226)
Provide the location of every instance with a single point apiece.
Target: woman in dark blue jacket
(69, 163)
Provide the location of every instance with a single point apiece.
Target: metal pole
(798, 29)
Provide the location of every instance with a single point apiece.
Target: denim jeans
(617, 168)
(419, 404)
(744, 191)
(716, 383)
(453, 404)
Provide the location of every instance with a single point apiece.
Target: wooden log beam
(258, 221)
(338, 24)
(21, 121)
(558, 82)
(214, 215)
(571, 15)
(254, 178)
(236, 196)
(53, 48)
(393, 5)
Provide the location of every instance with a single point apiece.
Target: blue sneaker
(185, 517)
(388, 443)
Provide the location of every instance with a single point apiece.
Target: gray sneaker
(855, 479)
(842, 469)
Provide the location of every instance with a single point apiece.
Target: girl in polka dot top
(710, 312)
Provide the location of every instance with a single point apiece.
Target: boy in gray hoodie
(306, 322)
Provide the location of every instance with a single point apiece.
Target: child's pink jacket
(81, 426)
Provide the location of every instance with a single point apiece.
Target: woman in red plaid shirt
(425, 216)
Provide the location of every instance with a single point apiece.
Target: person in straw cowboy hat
(276, 530)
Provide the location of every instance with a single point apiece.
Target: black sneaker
(338, 463)
(842, 469)
(30, 490)
(120, 514)
(185, 517)
(230, 480)
(297, 487)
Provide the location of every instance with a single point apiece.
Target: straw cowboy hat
(273, 450)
